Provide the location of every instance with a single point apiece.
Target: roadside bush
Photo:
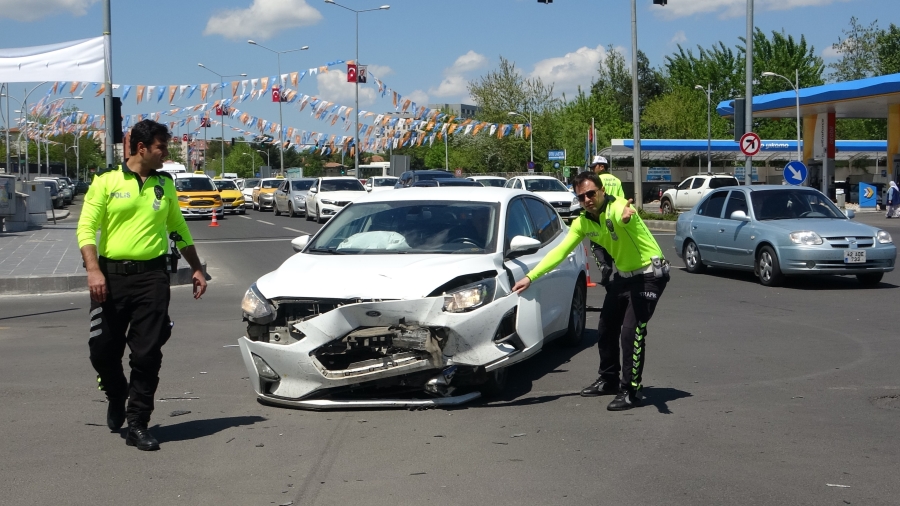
(645, 215)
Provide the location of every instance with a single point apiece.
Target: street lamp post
(47, 140)
(24, 105)
(222, 105)
(66, 158)
(252, 163)
(280, 97)
(796, 86)
(708, 92)
(356, 83)
(530, 124)
(267, 159)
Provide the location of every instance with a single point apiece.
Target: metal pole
(107, 34)
(356, 112)
(797, 90)
(748, 107)
(280, 118)
(531, 137)
(8, 156)
(709, 128)
(446, 153)
(78, 155)
(222, 108)
(25, 129)
(635, 106)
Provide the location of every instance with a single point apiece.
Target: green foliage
(858, 52)
(645, 215)
(888, 50)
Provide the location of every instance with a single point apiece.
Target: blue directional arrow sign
(795, 173)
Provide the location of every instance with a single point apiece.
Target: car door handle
(694, 227)
(721, 230)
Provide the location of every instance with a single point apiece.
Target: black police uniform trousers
(627, 308)
(136, 313)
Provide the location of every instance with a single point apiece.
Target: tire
(307, 215)
(768, 268)
(275, 209)
(577, 314)
(693, 263)
(291, 212)
(319, 219)
(496, 382)
(870, 279)
(666, 206)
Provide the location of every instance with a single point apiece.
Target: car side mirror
(299, 243)
(521, 245)
(313, 190)
(740, 216)
(850, 213)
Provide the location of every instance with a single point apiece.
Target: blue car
(778, 231)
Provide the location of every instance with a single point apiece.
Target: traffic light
(545, 1)
(232, 142)
(659, 2)
(117, 120)
(739, 116)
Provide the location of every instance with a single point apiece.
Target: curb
(62, 283)
(660, 225)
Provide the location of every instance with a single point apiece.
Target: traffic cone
(215, 221)
(588, 265)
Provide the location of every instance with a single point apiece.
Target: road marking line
(295, 230)
(246, 217)
(236, 241)
(266, 222)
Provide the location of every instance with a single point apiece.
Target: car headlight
(470, 297)
(575, 201)
(255, 307)
(329, 202)
(806, 238)
(184, 198)
(298, 198)
(884, 237)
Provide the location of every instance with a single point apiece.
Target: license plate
(854, 256)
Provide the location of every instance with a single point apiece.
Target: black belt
(132, 266)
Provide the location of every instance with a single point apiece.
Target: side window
(518, 184)
(698, 183)
(518, 222)
(686, 184)
(712, 206)
(545, 220)
(736, 202)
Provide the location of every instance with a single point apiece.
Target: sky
(426, 50)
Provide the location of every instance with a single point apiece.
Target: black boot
(115, 412)
(600, 387)
(626, 399)
(139, 436)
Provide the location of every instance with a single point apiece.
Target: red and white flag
(351, 72)
(276, 94)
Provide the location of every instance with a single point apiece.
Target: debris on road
(166, 399)
(179, 412)
(836, 485)
(230, 440)
(416, 474)
(518, 435)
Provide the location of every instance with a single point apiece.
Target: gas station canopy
(676, 149)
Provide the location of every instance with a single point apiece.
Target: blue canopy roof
(881, 87)
(726, 146)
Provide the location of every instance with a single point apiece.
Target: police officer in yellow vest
(642, 275)
(134, 207)
(613, 186)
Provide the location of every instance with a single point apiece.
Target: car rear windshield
(792, 204)
(271, 183)
(194, 184)
(384, 181)
(302, 185)
(410, 227)
(226, 184)
(719, 182)
(342, 185)
(497, 183)
(250, 183)
(544, 185)
(426, 176)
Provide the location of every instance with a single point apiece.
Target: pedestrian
(135, 207)
(892, 201)
(631, 299)
(613, 187)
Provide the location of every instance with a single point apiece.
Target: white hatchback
(411, 289)
(550, 189)
(328, 195)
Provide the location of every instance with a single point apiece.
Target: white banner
(78, 60)
(820, 141)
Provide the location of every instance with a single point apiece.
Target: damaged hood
(313, 276)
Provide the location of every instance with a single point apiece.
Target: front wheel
(307, 215)
(275, 209)
(871, 279)
(577, 314)
(768, 268)
(291, 212)
(666, 206)
(692, 260)
(319, 218)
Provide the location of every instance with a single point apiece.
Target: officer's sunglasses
(588, 194)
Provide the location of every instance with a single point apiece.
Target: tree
(857, 50)
(614, 82)
(888, 50)
(679, 114)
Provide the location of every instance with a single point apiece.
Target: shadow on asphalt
(818, 282)
(196, 429)
(551, 360)
(661, 397)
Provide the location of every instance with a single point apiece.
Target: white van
(173, 168)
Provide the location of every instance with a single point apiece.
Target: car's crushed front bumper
(317, 348)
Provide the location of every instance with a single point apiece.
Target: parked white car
(380, 183)
(247, 189)
(690, 191)
(328, 195)
(411, 289)
(496, 181)
(550, 189)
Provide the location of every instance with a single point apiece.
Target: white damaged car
(410, 292)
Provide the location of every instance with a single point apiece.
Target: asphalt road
(755, 396)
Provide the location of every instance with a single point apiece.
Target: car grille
(201, 202)
(560, 204)
(227, 201)
(844, 242)
(341, 203)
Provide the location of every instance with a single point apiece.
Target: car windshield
(544, 185)
(53, 188)
(792, 204)
(384, 181)
(250, 183)
(498, 183)
(410, 227)
(271, 183)
(427, 176)
(302, 185)
(226, 184)
(342, 185)
(194, 184)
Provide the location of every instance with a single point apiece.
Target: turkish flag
(219, 111)
(184, 138)
(351, 72)
(276, 94)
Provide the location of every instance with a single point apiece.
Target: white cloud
(573, 69)
(455, 82)
(733, 8)
(37, 9)
(263, 19)
(380, 71)
(451, 86)
(417, 96)
(679, 38)
(333, 86)
(467, 63)
(830, 52)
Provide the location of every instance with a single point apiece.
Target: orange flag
(172, 89)
(140, 93)
(73, 87)
(203, 89)
(294, 76)
(101, 90)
